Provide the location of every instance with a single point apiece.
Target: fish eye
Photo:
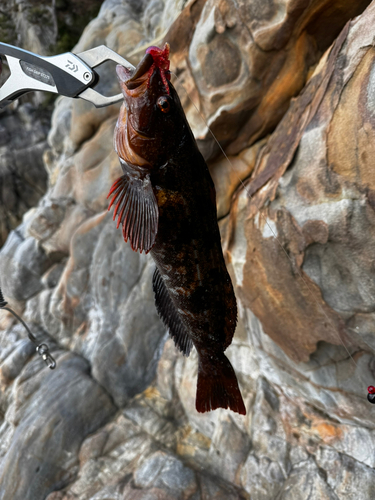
(163, 104)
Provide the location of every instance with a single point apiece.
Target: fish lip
(143, 67)
(124, 73)
(129, 76)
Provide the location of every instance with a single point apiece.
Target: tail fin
(217, 385)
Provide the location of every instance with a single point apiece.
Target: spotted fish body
(166, 204)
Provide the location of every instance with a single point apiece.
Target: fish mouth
(124, 73)
(135, 80)
(154, 58)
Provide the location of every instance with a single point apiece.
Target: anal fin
(136, 208)
(169, 315)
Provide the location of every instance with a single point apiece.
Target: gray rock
(29, 24)
(165, 472)
(108, 458)
(60, 124)
(51, 278)
(22, 264)
(228, 442)
(12, 365)
(23, 178)
(347, 477)
(156, 417)
(136, 347)
(267, 429)
(267, 466)
(306, 481)
(43, 454)
(152, 494)
(262, 477)
(47, 218)
(211, 488)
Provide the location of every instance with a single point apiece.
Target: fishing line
(371, 389)
(41, 349)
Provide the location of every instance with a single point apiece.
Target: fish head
(154, 119)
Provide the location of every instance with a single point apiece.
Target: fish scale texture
(117, 417)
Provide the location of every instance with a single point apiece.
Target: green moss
(7, 29)
(72, 18)
(39, 15)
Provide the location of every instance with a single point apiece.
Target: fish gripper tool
(68, 74)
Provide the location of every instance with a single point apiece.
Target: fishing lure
(371, 394)
(166, 204)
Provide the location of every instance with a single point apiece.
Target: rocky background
(287, 87)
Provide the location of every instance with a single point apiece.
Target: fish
(165, 202)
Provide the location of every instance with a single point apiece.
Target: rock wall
(288, 90)
(45, 28)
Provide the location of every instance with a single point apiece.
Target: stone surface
(22, 265)
(23, 128)
(23, 179)
(48, 419)
(248, 59)
(116, 420)
(321, 219)
(46, 29)
(30, 24)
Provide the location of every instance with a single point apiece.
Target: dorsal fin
(169, 315)
(137, 210)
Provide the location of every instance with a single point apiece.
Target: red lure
(371, 394)
(161, 61)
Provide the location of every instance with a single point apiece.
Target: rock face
(23, 134)
(117, 419)
(44, 28)
(24, 125)
(246, 59)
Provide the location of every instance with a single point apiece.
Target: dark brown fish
(166, 203)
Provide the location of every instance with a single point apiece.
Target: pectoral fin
(169, 315)
(137, 210)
